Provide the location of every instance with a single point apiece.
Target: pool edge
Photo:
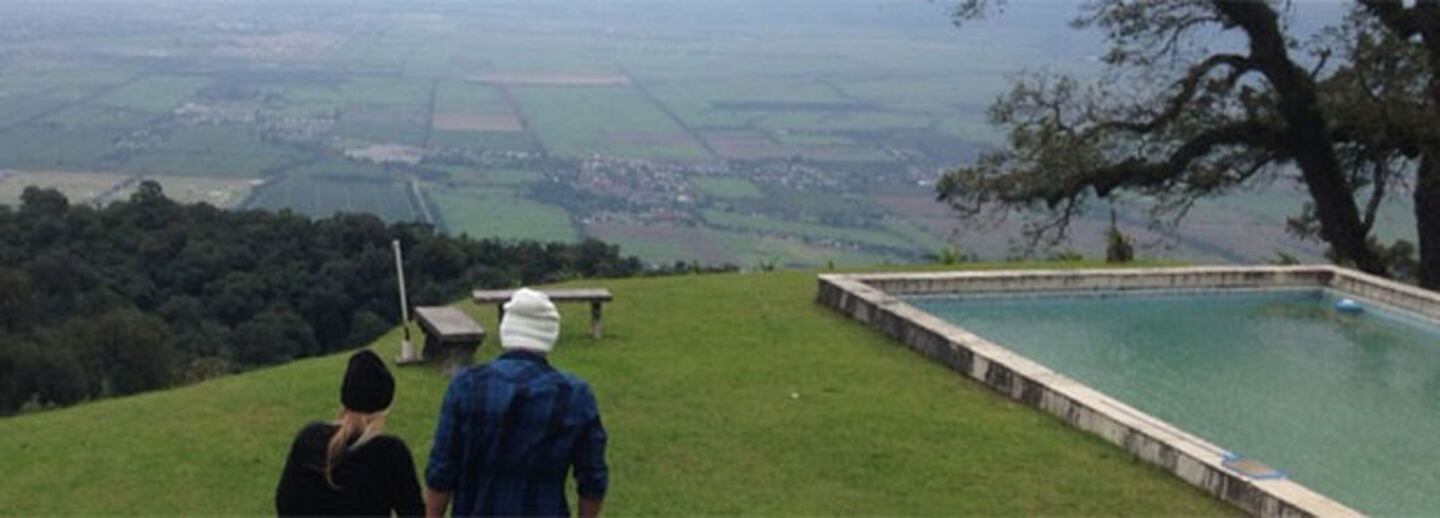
(870, 299)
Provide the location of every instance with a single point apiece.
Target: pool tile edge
(869, 299)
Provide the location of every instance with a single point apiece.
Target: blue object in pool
(1348, 306)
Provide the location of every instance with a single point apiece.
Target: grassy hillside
(697, 381)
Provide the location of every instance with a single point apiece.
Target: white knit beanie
(531, 322)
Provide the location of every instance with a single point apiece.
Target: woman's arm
(406, 484)
(288, 492)
(436, 502)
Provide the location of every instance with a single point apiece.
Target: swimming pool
(1347, 404)
(1217, 375)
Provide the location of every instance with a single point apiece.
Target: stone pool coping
(872, 300)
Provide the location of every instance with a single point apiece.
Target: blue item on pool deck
(1250, 467)
(1348, 306)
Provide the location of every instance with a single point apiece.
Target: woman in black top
(348, 467)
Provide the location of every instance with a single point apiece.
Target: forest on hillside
(149, 293)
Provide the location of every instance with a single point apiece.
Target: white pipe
(407, 350)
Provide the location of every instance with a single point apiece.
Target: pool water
(1348, 405)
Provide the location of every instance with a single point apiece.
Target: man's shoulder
(520, 372)
(575, 382)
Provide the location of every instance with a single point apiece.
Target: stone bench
(451, 336)
(594, 296)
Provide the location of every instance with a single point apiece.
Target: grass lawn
(722, 394)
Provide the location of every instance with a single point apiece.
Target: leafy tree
(135, 348)
(277, 335)
(1392, 100)
(144, 293)
(58, 376)
(14, 384)
(365, 326)
(1174, 121)
(17, 301)
(44, 375)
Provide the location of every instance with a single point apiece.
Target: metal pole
(407, 349)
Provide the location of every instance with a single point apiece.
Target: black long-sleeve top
(374, 479)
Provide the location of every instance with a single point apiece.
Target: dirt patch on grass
(472, 121)
(548, 79)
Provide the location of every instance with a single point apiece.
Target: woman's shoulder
(317, 427)
(391, 442)
(388, 446)
(315, 431)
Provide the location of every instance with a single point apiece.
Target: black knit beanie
(368, 385)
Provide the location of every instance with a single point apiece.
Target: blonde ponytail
(350, 424)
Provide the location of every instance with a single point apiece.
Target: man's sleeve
(592, 476)
(443, 471)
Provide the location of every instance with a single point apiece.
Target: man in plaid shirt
(511, 429)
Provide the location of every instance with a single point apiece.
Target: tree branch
(1189, 85)
(1394, 15)
(1128, 173)
(1377, 195)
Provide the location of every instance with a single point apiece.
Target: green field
(618, 121)
(731, 188)
(775, 127)
(728, 394)
(666, 244)
(384, 124)
(907, 238)
(324, 196)
(154, 93)
(504, 214)
(499, 140)
(466, 96)
(212, 151)
(225, 193)
(363, 90)
(87, 115)
(332, 167)
(57, 149)
(501, 178)
(77, 187)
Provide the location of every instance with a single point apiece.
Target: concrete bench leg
(595, 320)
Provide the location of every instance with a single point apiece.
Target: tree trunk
(1299, 106)
(1427, 176)
(1427, 220)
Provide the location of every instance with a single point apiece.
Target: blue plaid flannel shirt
(509, 431)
